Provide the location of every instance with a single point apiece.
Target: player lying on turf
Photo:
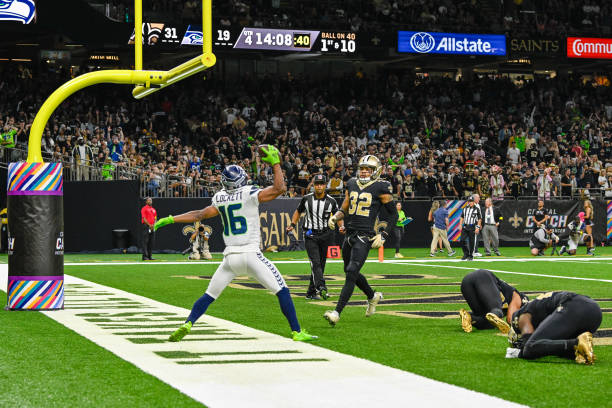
(490, 299)
(556, 324)
(238, 205)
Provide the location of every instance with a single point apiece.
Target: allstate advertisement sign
(450, 43)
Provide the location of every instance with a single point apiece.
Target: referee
(471, 220)
(317, 207)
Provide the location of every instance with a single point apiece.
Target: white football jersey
(239, 212)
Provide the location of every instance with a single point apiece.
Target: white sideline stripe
(508, 272)
(305, 261)
(345, 381)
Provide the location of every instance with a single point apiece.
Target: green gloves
(270, 154)
(163, 222)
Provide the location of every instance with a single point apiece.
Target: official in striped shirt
(317, 207)
(471, 221)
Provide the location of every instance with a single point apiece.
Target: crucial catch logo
(449, 43)
(17, 10)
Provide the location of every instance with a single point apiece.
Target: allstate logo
(422, 42)
(17, 10)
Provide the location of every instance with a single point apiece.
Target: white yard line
(499, 271)
(305, 261)
(224, 364)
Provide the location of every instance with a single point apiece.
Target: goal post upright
(35, 189)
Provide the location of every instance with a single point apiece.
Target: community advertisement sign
(580, 47)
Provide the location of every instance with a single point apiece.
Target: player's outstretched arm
(188, 217)
(276, 189)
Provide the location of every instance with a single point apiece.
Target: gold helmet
(372, 162)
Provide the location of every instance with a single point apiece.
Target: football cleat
(563, 250)
(591, 251)
(477, 254)
(398, 255)
(371, 309)
(452, 253)
(498, 322)
(584, 349)
(466, 320)
(332, 317)
(303, 335)
(180, 332)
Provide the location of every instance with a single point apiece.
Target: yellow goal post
(146, 82)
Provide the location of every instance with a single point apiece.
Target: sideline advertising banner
(518, 223)
(580, 47)
(535, 47)
(422, 42)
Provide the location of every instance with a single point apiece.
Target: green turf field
(415, 329)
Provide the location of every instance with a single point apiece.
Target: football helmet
(233, 177)
(373, 163)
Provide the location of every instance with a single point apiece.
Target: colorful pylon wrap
(35, 236)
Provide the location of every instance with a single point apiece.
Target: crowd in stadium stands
(530, 17)
(436, 137)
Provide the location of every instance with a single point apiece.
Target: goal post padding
(35, 236)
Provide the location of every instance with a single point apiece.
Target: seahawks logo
(192, 37)
(17, 10)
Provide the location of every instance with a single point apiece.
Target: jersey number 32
(359, 203)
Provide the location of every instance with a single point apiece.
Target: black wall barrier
(94, 209)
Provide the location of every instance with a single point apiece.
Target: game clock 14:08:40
(296, 40)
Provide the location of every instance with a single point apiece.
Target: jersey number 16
(234, 223)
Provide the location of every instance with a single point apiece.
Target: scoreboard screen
(251, 38)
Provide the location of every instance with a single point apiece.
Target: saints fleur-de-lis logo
(379, 226)
(515, 220)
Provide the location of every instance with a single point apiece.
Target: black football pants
(316, 247)
(556, 335)
(482, 295)
(355, 251)
(147, 242)
(467, 242)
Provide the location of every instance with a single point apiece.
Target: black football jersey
(541, 307)
(539, 215)
(505, 292)
(364, 203)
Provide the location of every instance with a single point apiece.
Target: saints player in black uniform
(556, 324)
(365, 197)
(490, 298)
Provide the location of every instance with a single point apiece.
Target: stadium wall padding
(94, 209)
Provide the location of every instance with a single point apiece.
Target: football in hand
(264, 149)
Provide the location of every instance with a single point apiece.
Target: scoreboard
(251, 38)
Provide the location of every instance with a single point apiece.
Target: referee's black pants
(316, 247)
(556, 335)
(482, 295)
(147, 242)
(355, 251)
(468, 234)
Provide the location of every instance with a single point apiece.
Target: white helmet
(372, 162)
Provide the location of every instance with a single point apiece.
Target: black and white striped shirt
(317, 212)
(470, 216)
